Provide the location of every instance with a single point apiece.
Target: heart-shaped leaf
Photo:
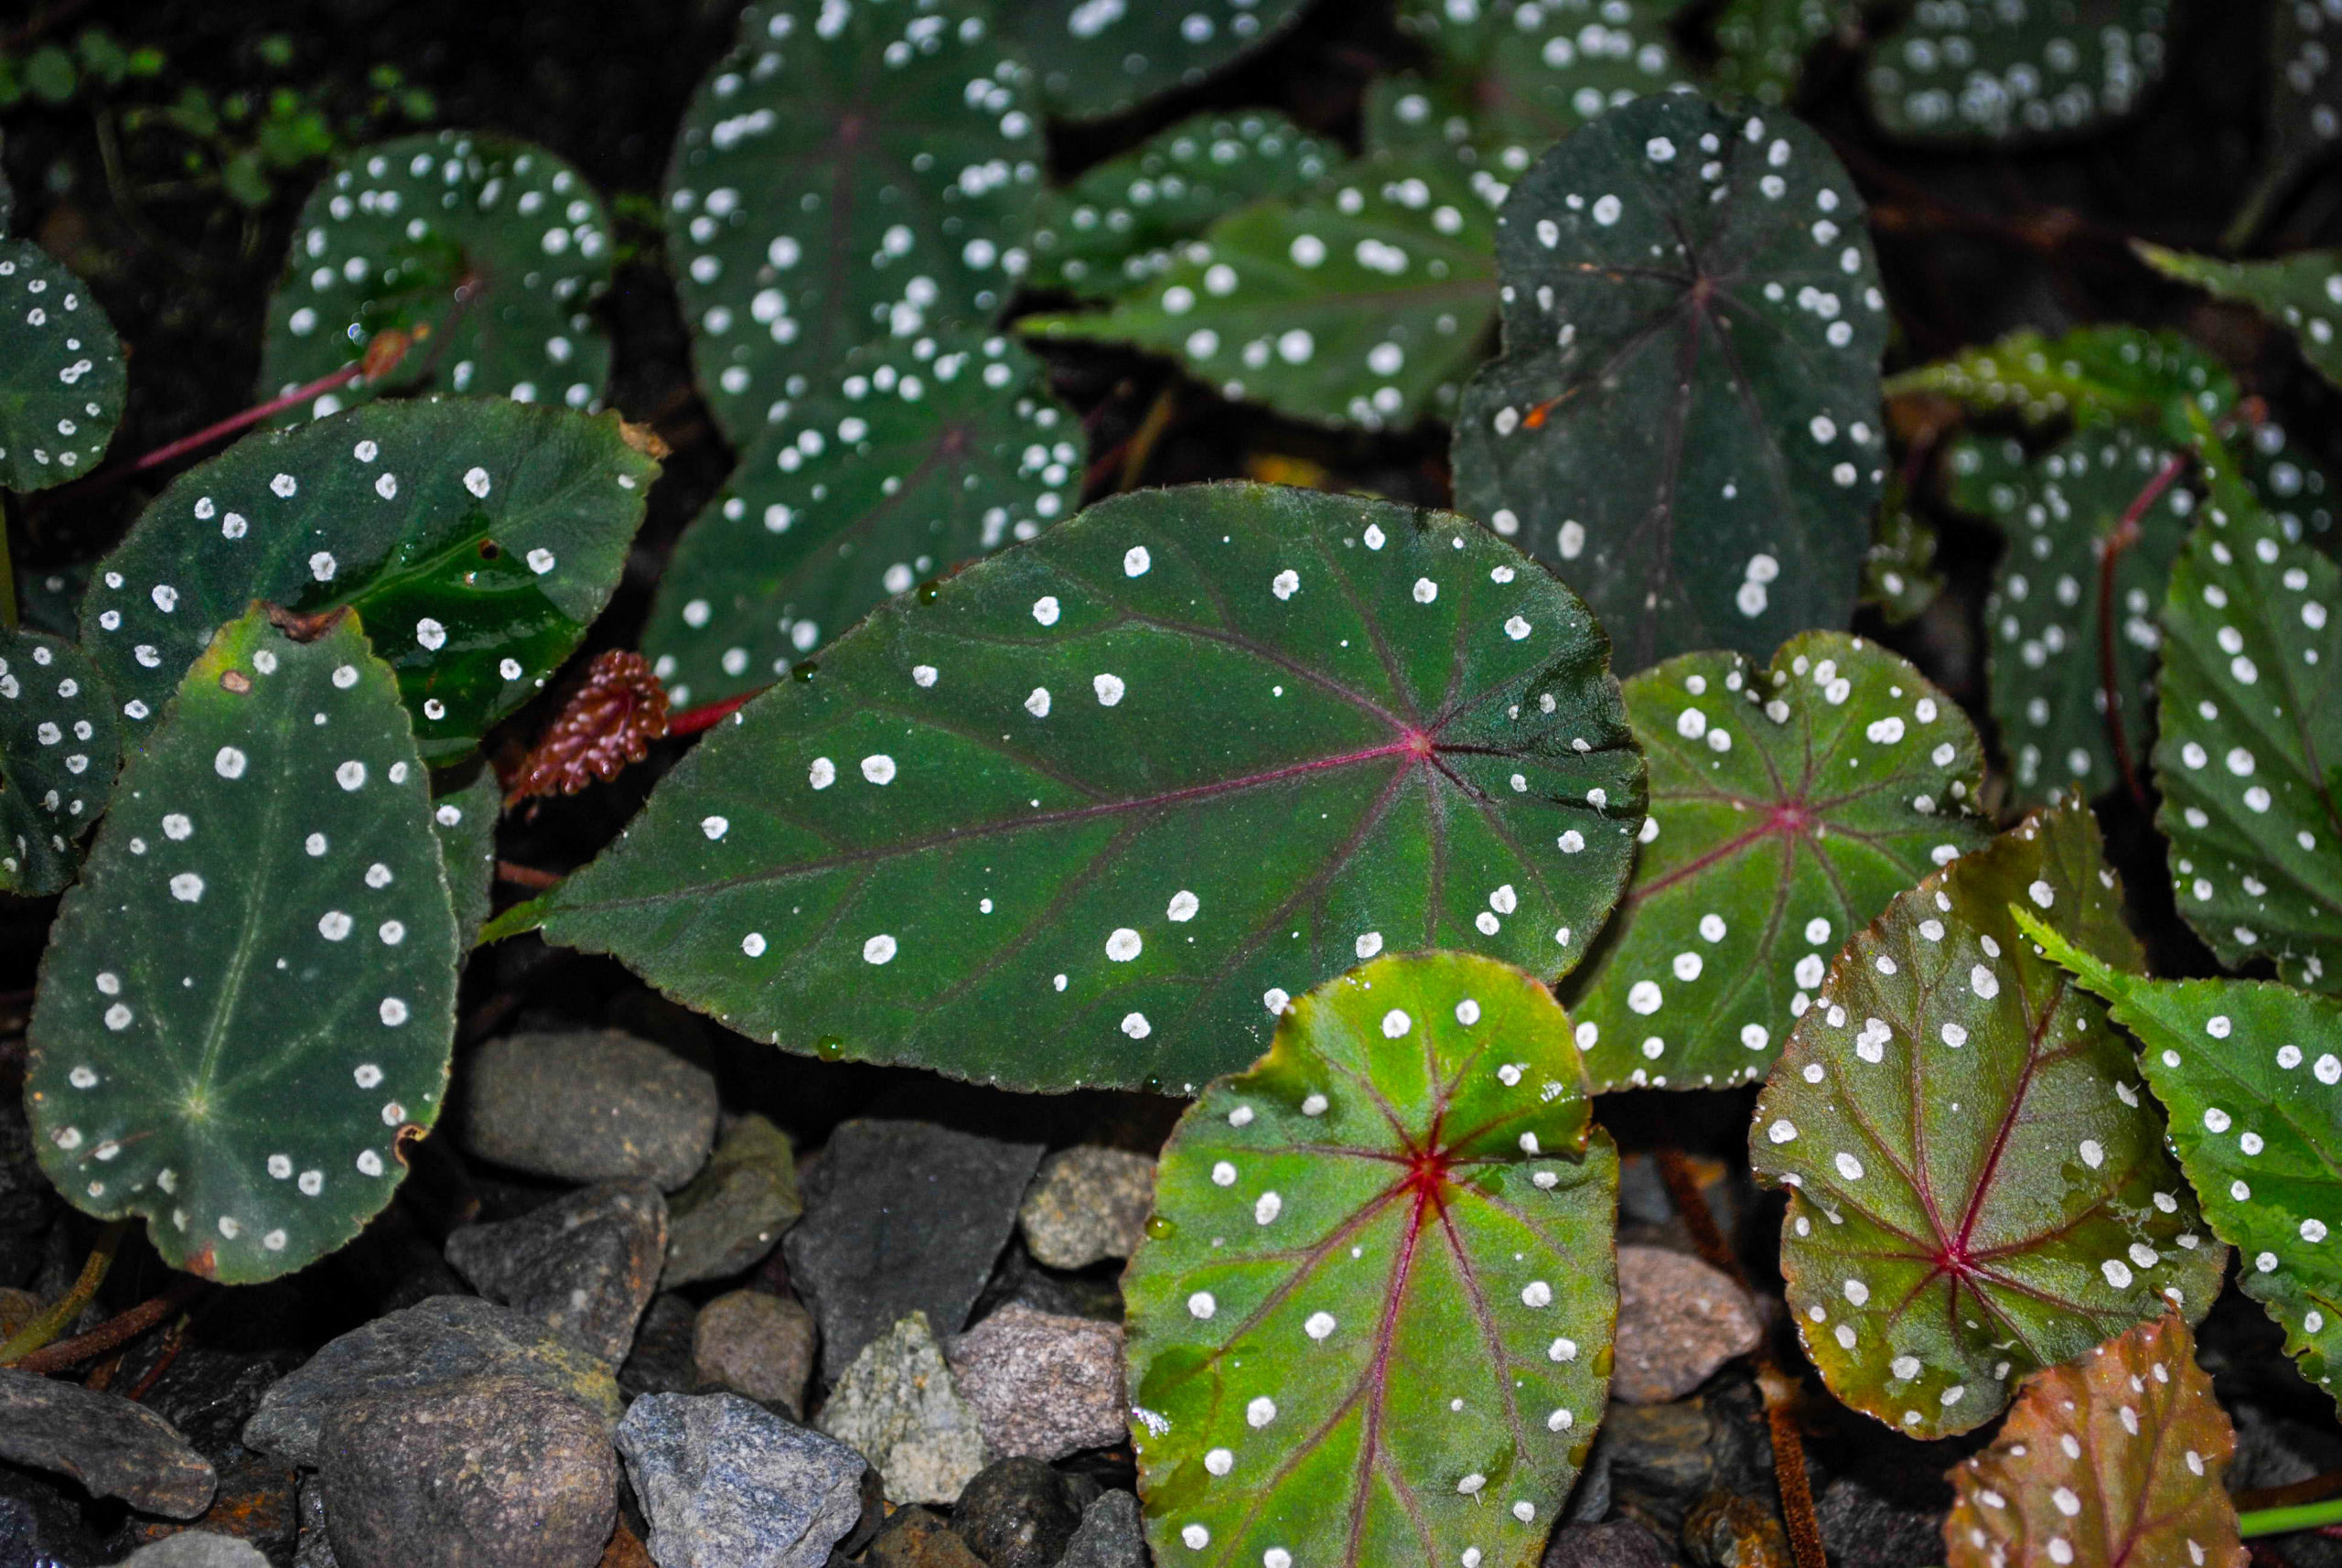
(58, 745)
(912, 458)
(2302, 292)
(1762, 45)
(1977, 1188)
(61, 379)
(1964, 73)
(250, 998)
(465, 820)
(476, 536)
(2116, 1458)
(1096, 57)
(1899, 574)
(1686, 421)
(2248, 1070)
(1787, 806)
(1526, 73)
(495, 245)
(1371, 1324)
(849, 171)
(1092, 810)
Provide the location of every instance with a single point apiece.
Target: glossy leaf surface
(1097, 57)
(1978, 1185)
(912, 458)
(1372, 1321)
(1686, 421)
(1963, 73)
(1091, 810)
(2302, 292)
(61, 379)
(58, 745)
(465, 820)
(1525, 74)
(476, 537)
(250, 998)
(1790, 804)
(2087, 375)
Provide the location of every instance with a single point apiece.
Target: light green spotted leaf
(1955, 72)
(465, 819)
(1097, 57)
(1899, 574)
(1372, 1321)
(2302, 292)
(853, 169)
(913, 459)
(1762, 45)
(61, 379)
(1788, 805)
(1978, 1186)
(248, 1002)
(58, 746)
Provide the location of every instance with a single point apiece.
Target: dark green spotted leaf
(1371, 1324)
(1787, 806)
(248, 1002)
(2249, 1072)
(465, 820)
(395, 230)
(2302, 91)
(912, 458)
(58, 745)
(1978, 1188)
(853, 169)
(1686, 421)
(2302, 292)
(477, 537)
(49, 599)
(2089, 375)
(1094, 809)
(1096, 57)
(1899, 575)
(1960, 72)
(61, 379)
(1762, 45)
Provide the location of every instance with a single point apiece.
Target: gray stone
(1021, 1514)
(111, 1447)
(661, 1361)
(198, 1548)
(442, 1340)
(314, 1548)
(593, 1106)
(1042, 1385)
(1088, 1204)
(902, 1216)
(583, 1265)
(1618, 1543)
(913, 1537)
(734, 1212)
(1109, 1535)
(1679, 1320)
(754, 1344)
(727, 1484)
(897, 1406)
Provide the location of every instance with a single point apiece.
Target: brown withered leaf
(607, 723)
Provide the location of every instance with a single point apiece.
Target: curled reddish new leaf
(607, 723)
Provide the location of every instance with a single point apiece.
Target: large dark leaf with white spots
(476, 536)
(2302, 94)
(1960, 72)
(1762, 45)
(2302, 292)
(1686, 422)
(1788, 805)
(396, 229)
(912, 458)
(61, 379)
(2249, 1071)
(1092, 810)
(1372, 1322)
(58, 745)
(249, 1000)
(853, 169)
(1096, 57)
(1978, 1185)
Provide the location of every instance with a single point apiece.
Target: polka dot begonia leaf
(1978, 1186)
(1762, 45)
(1097, 57)
(2249, 1071)
(465, 819)
(1900, 577)
(1372, 1321)
(2118, 1456)
(248, 1002)
(49, 597)
(2018, 72)
(1787, 806)
(1089, 811)
(913, 459)
(1686, 422)
(478, 538)
(58, 746)
(2303, 92)
(397, 228)
(853, 169)
(61, 378)
(2302, 292)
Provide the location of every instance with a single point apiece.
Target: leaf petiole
(2286, 1521)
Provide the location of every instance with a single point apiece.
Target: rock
(587, 1107)
(496, 1470)
(1867, 1529)
(913, 1537)
(198, 1548)
(1618, 1543)
(255, 1503)
(1109, 1535)
(902, 1216)
(758, 1345)
(661, 1361)
(1679, 1320)
(208, 1394)
(40, 1525)
(1042, 1385)
(735, 1211)
(727, 1484)
(111, 1447)
(1017, 1277)
(1659, 1462)
(897, 1406)
(1725, 1530)
(443, 1341)
(1087, 1204)
(27, 1200)
(314, 1548)
(583, 1265)
(1021, 1514)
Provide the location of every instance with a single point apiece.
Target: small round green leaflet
(1976, 1187)
(853, 168)
(1787, 806)
(914, 457)
(2302, 292)
(1526, 73)
(396, 228)
(58, 746)
(1686, 421)
(61, 379)
(2249, 1072)
(249, 1000)
(478, 537)
(1091, 810)
(1096, 57)
(1962, 72)
(1372, 1321)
